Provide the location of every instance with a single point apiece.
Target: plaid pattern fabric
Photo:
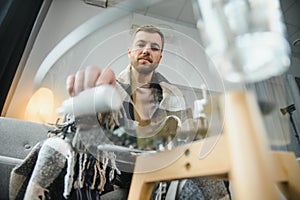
(46, 164)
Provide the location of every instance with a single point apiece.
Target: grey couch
(17, 138)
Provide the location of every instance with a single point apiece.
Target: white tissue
(101, 99)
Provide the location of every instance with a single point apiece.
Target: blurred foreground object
(245, 38)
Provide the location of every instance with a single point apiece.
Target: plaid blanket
(21, 174)
(55, 170)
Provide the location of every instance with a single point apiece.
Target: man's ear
(128, 52)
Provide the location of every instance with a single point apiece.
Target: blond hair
(150, 29)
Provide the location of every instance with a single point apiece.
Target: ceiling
(181, 12)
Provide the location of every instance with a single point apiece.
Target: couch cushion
(18, 136)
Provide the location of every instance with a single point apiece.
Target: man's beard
(144, 69)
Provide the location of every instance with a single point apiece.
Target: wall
(184, 61)
(59, 21)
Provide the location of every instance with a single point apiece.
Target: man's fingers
(79, 82)
(70, 85)
(90, 77)
(92, 73)
(107, 76)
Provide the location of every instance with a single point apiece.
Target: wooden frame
(241, 155)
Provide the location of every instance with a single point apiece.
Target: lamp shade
(40, 107)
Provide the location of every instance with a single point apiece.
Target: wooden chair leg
(185, 162)
(287, 174)
(250, 172)
(139, 188)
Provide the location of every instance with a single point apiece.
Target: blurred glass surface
(244, 38)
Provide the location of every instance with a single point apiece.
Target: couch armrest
(18, 137)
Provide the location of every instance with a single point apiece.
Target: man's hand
(90, 77)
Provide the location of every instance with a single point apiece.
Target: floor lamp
(290, 109)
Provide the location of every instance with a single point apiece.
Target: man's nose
(146, 49)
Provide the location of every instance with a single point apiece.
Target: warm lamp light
(40, 107)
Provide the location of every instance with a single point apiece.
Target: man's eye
(155, 48)
(140, 45)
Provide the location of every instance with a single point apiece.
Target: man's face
(145, 52)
